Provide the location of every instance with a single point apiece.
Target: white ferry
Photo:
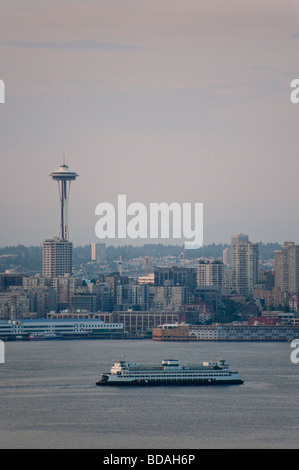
(170, 372)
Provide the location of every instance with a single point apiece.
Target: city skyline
(186, 103)
(171, 127)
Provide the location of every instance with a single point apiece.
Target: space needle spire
(64, 176)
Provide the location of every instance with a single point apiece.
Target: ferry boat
(170, 372)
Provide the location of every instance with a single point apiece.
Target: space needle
(64, 176)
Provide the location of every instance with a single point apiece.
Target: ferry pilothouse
(170, 372)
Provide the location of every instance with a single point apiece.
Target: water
(49, 398)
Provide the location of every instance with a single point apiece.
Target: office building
(98, 252)
(139, 296)
(210, 296)
(87, 302)
(42, 300)
(170, 297)
(65, 286)
(14, 303)
(35, 282)
(176, 276)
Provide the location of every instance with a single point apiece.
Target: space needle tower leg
(63, 189)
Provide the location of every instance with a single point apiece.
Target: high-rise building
(84, 301)
(57, 257)
(239, 237)
(244, 267)
(176, 276)
(170, 297)
(228, 285)
(210, 296)
(210, 274)
(139, 296)
(65, 286)
(14, 304)
(287, 268)
(42, 300)
(35, 282)
(98, 252)
(226, 256)
(104, 298)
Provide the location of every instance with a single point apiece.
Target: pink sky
(159, 100)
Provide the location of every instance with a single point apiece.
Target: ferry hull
(143, 383)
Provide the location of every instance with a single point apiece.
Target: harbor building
(135, 322)
(54, 329)
(143, 322)
(170, 332)
(225, 332)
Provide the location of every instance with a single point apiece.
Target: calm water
(49, 398)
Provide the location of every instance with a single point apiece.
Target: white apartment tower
(57, 257)
(210, 274)
(239, 237)
(287, 268)
(244, 267)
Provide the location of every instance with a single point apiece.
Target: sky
(161, 101)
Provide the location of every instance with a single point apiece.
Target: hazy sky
(164, 101)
